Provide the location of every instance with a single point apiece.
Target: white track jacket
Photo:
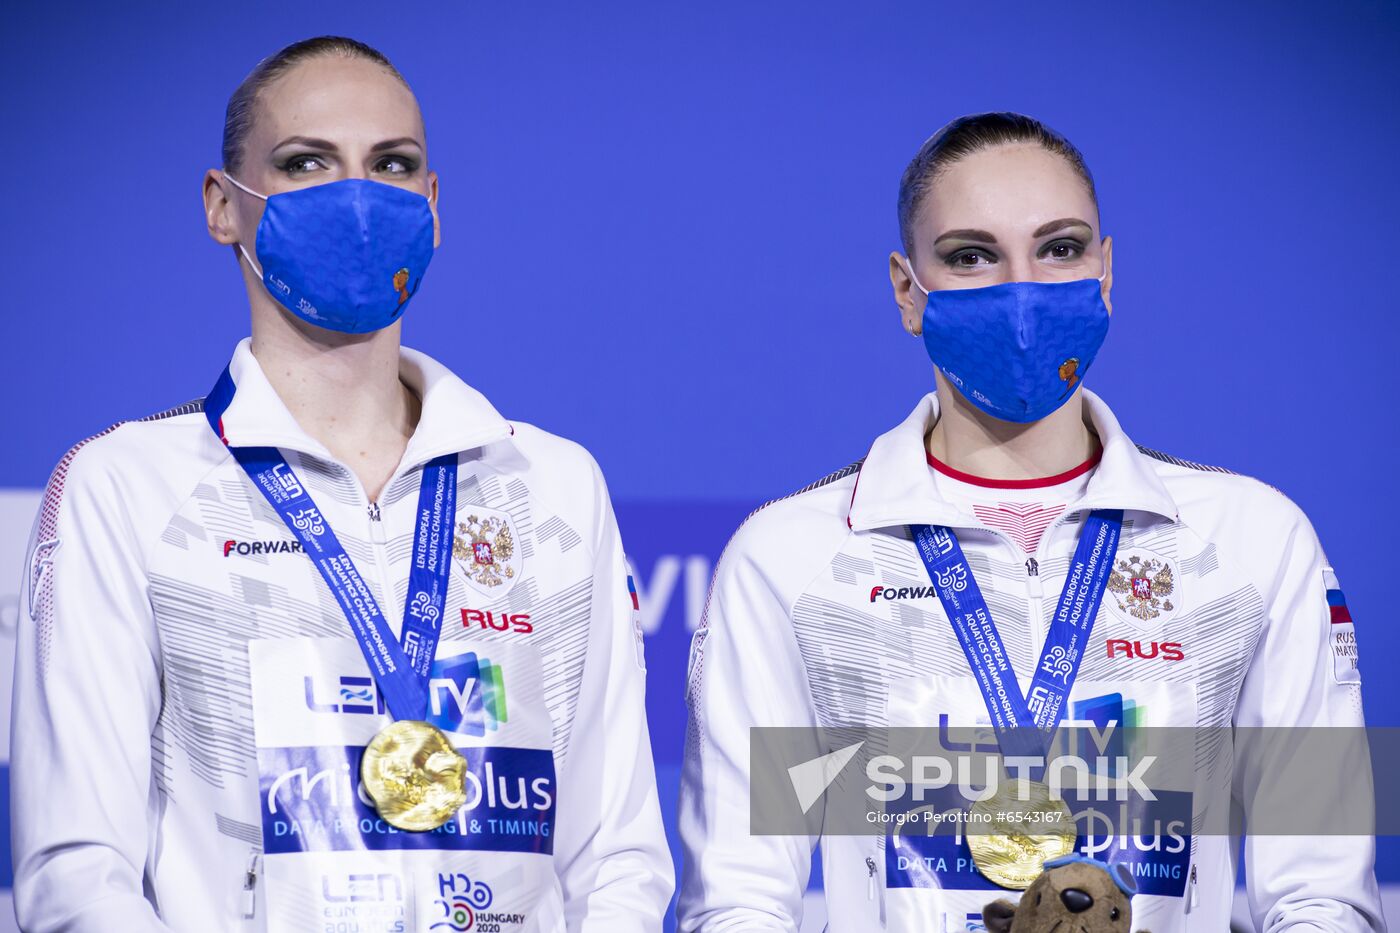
(190, 704)
(821, 615)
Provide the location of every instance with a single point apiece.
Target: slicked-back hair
(238, 118)
(964, 136)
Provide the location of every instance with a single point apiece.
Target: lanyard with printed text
(1024, 723)
(401, 668)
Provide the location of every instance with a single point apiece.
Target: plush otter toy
(1074, 894)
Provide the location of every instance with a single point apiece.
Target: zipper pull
(1033, 578)
(870, 886)
(1195, 897)
(376, 524)
(250, 883)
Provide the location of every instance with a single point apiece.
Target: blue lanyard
(1024, 723)
(401, 668)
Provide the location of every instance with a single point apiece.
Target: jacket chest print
(1143, 586)
(484, 549)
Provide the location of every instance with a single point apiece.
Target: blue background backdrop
(665, 229)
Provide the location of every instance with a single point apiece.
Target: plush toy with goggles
(1074, 894)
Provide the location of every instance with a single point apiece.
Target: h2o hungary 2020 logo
(466, 905)
(461, 899)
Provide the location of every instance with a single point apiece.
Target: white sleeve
(611, 853)
(745, 670)
(87, 690)
(1297, 882)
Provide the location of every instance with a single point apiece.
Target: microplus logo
(466, 694)
(313, 801)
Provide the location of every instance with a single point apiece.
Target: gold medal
(414, 775)
(1013, 832)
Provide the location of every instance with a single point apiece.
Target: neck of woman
(342, 389)
(971, 441)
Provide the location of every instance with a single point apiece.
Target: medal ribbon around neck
(401, 667)
(1024, 723)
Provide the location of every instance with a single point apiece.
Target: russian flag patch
(1343, 632)
(637, 622)
(1337, 604)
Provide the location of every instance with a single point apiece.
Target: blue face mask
(346, 255)
(1017, 350)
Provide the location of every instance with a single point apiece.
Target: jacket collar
(895, 486)
(455, 417)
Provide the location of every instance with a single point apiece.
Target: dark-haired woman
(336, 647)
(1006, 560)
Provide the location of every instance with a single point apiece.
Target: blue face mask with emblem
(346, 255)
(1017, 350)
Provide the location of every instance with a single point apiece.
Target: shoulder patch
(1343, 632)
(637, 622)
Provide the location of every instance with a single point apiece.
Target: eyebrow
(314, 143)
(981, 236)
(1060, 224)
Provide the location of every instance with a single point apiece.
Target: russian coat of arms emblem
(1142, 586)
(483, 544)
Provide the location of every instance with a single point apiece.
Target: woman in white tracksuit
(861, 601)
(229, 603)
